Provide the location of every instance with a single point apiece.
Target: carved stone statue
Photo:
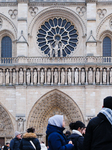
(83, 76)
(28, 77)
(51, 49)
(97, 76)
(14, 77)
(1, 77)
(55, 76)
(111, 76)
(104, 76)
(61, 46)
(69, 76)
(90, 76)
(35, 76)
(48, 76)
(42, 76)
(62, 76)
(76, 76)
(56, 48)
(20, 125)
(21, 76)
(7, 76)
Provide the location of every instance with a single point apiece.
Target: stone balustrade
(56, 60)
(60, 75)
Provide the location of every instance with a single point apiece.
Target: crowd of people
(96, 136)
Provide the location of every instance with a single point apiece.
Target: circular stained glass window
(57, 37)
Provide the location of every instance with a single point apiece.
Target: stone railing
(51, 75)
(56, 60)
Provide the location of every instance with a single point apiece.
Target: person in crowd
(43, 147)
(99, 129)
(0, 147)
(6, 147)
(30, 141)
(56, 138)
(14, 144)
(67, 134)
(77, 134)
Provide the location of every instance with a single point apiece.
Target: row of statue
(69, 76)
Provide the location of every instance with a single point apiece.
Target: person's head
(57, 120)
(7, 144)
(32, 130)
(67, 133)
(18, 134)
(107, 102)
(78, 125)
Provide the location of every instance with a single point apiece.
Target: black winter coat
(98, 134)
(25, 142)
(77, 141)
(14, 144)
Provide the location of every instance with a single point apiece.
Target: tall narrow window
(6, 49)
(106, 47)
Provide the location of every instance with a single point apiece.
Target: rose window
(57, 37)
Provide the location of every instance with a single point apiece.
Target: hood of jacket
(29, 135)
(52, 128)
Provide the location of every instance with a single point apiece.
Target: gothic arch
(54, 102)
(6, 125)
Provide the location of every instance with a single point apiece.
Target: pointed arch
(53, 102)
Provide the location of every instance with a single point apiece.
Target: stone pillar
(59, 76)
(45, 75)
(79, 76)
(86, 76)
(65, 76)
(17, 76)
(38, 76)
(3, 76)
(72, 76)
(52, 76)
(100, 76)
(31, 76)
(24, 76)
(94, 69)
(108, 76)
(10, 81)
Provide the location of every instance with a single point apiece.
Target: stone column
(100, 76)
(108, 76)
(52, 76)
(59, 76)
(45, 75)
(16, 76)
(10, 77)
(24, 76)
(79, 76)
(38, 76)
(72, 76)
(94, 69)
(65, 76)
(31, 76)
(3, 76)
(86, 76)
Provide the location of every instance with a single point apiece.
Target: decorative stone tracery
(6, 127)
(54, 102)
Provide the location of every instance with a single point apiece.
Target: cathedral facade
(55, 59)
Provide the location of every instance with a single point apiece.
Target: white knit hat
(17, 133)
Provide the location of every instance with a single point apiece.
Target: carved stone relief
(21, 76)
(110, 22)
(81, 10)
(101, 12)
(1, 22)
(13, 13)
(20, 124)
(6, 127)
(33, 11)
(54, 102)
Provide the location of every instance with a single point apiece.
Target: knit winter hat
(17, 133)
(107, 102)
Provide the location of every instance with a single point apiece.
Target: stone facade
(57, 64)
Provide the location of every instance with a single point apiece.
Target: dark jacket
(6, 147)
(14, 144)
(98, 134)
(77, 141)
(25, 142)
(56, 138)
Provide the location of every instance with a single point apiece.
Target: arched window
(6, 47)
(106, 47)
